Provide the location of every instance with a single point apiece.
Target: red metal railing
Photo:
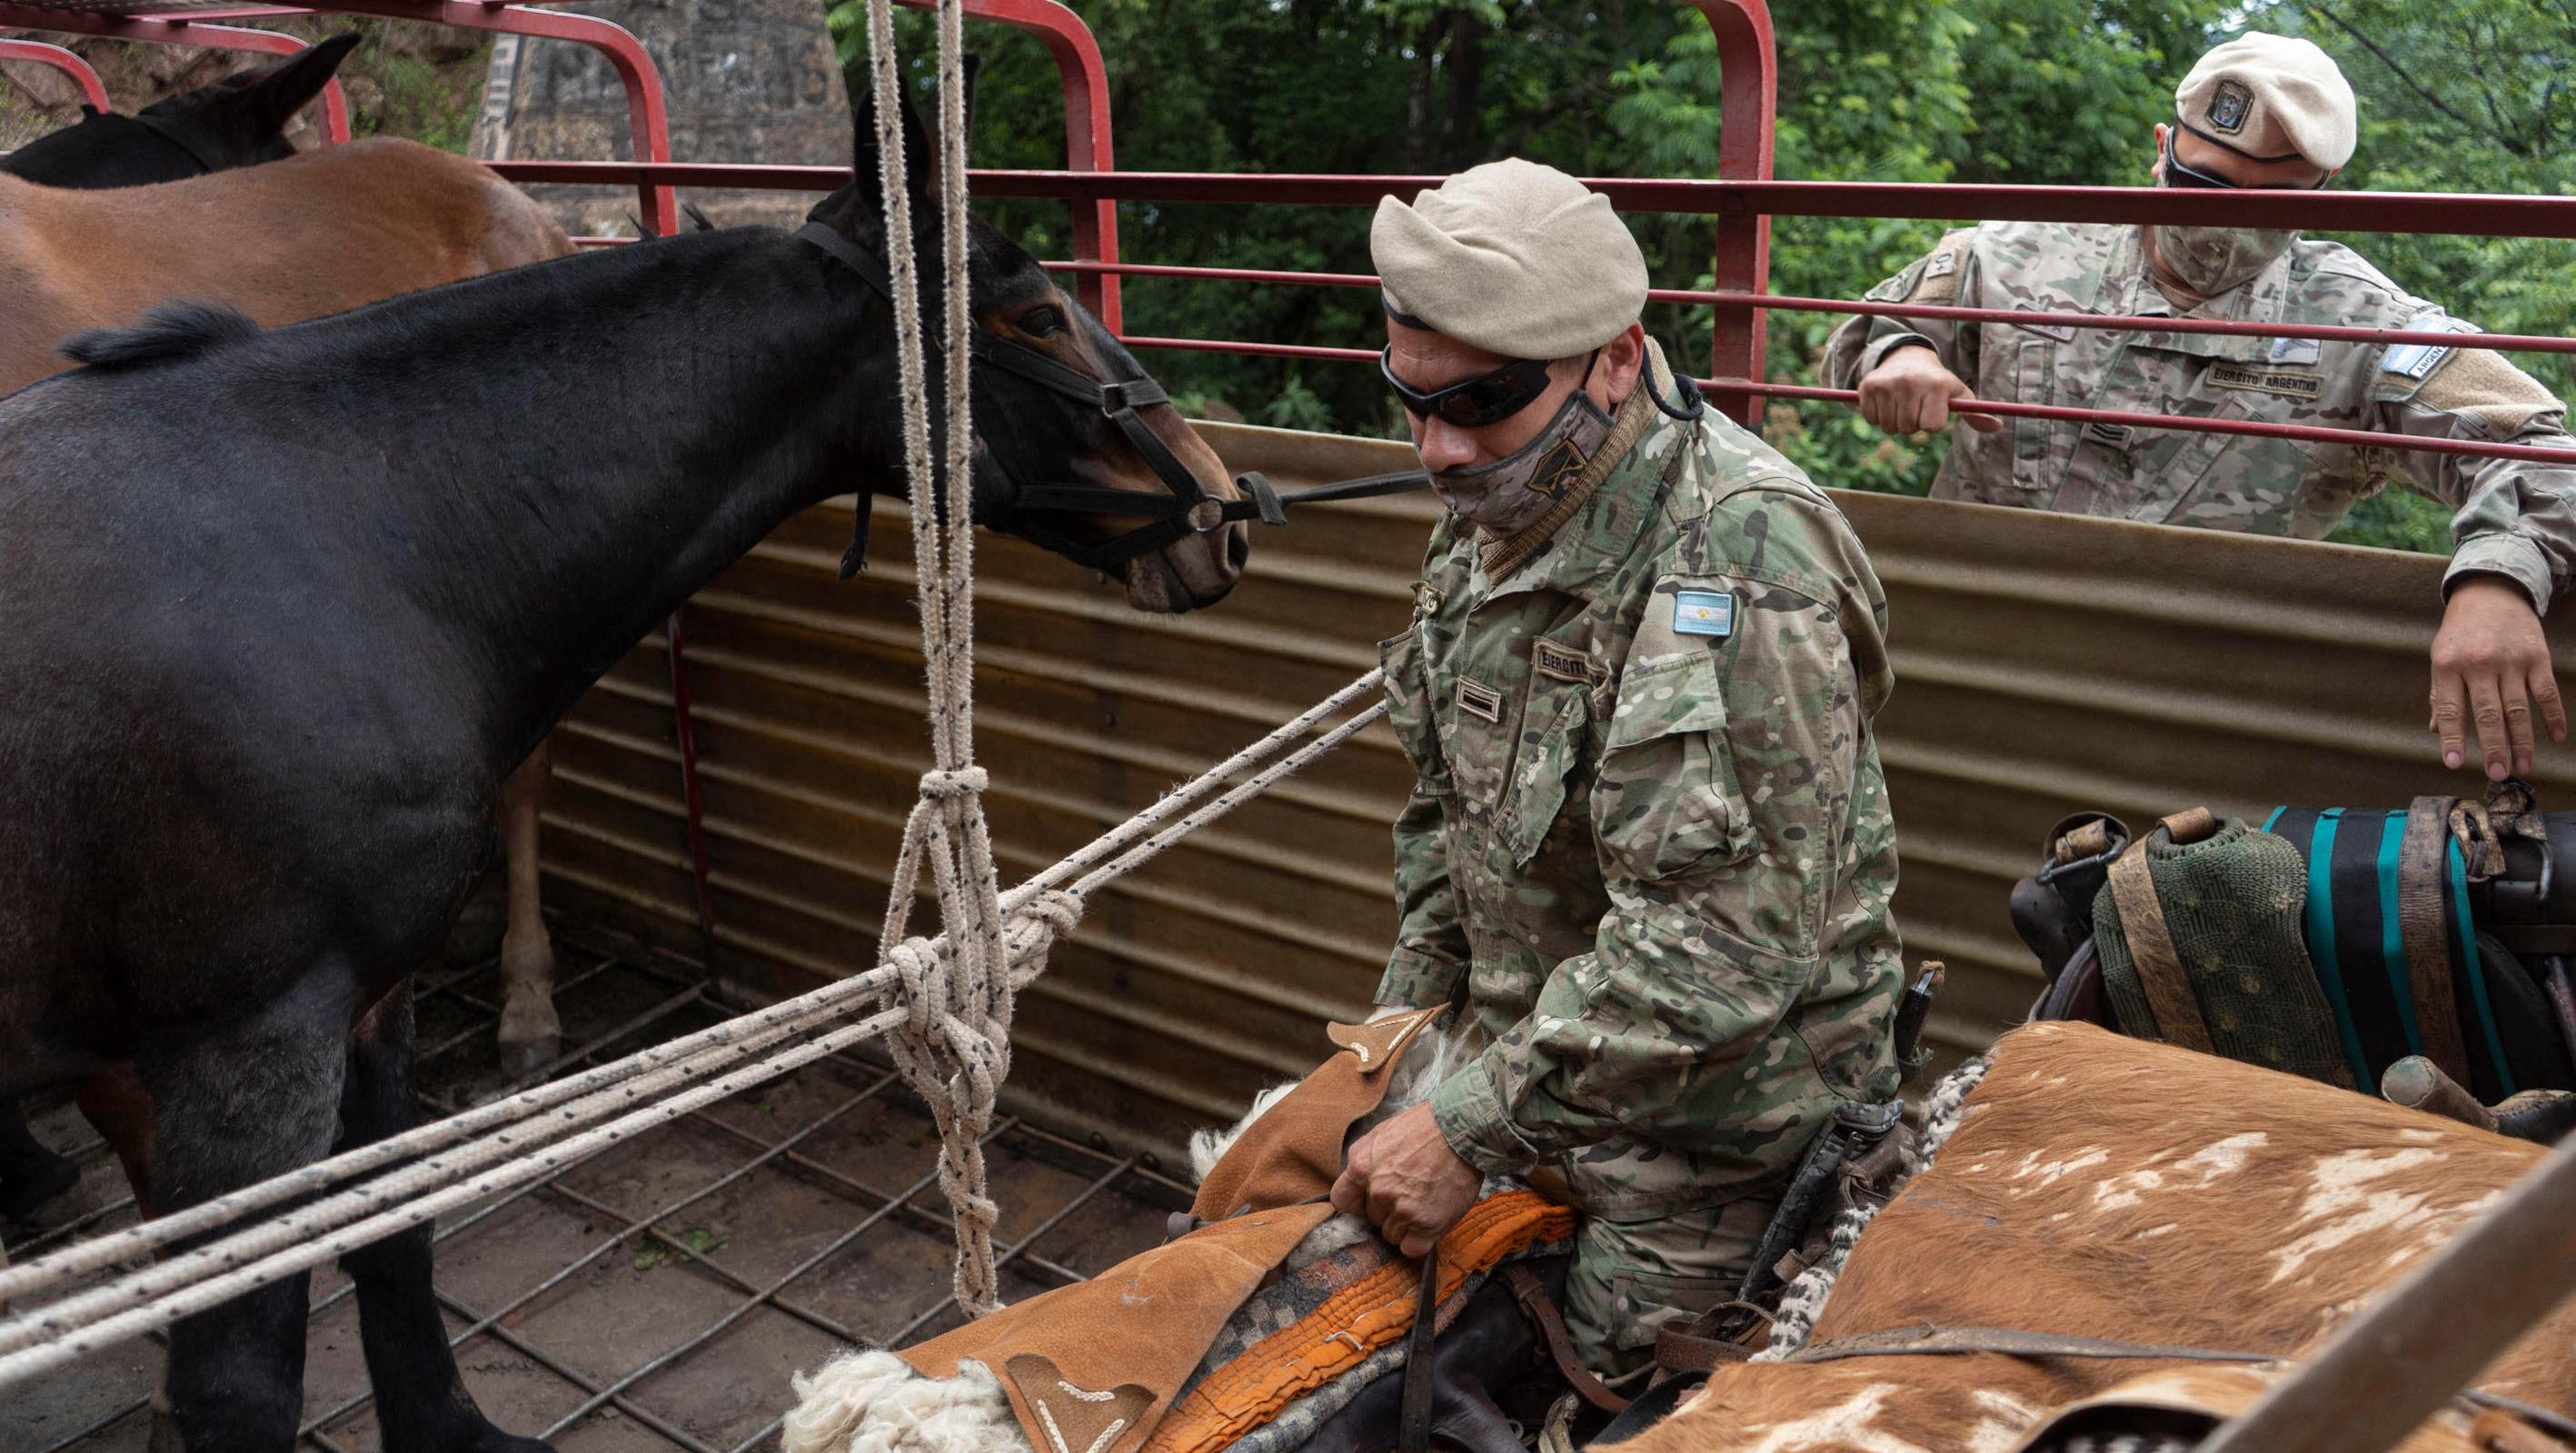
(36, 51)
(1740, 202)
(167, 30)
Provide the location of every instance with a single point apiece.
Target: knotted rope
(953, 1045)
(533, 1134)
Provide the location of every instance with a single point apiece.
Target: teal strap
(2321, 939)
(2467, 934)
(2392, 939)
(2275, 817)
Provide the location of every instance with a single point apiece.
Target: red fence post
(1747, 106)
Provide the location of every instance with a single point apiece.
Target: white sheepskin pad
(871, 1402)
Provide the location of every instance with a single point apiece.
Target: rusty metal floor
(657, 1296)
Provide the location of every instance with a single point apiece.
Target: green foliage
(2457, 95)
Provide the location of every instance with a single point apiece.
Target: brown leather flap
(1294, 1151)
(1116, 1349)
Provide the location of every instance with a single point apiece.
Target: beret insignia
(2228, 107)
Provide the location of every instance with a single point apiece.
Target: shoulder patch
(2417, 360)
(2480, 384)
(1941, 275)
(1704, 613)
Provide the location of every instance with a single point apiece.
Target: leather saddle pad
(1091, 1368)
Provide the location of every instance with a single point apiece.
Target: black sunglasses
(2177, 174)
(1471, 403)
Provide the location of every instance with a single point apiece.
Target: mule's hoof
(521, 1060)
(36, 1194)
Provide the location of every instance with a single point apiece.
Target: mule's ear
(920, 158)
(262, 101)
(972, 63)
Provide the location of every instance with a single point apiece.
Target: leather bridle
(1185, 509)
(180, 137)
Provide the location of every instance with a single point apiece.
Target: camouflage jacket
(2513, 518)
(1649, 847)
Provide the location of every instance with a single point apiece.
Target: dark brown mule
(283, 608)
(235, 122)
(294, 239)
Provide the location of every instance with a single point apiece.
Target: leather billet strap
(1413, 1419)
(2151, 948)
(1929, 1340)
(1550, 1326)
(2423, 929)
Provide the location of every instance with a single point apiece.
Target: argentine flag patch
(1703, 613)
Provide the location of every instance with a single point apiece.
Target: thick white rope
(154, 1297)
(692, 1056)
(953, 1045)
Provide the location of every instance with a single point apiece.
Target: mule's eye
(1041, 322)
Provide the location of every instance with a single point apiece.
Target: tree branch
(2423, 93)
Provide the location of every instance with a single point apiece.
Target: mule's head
(238, 121)
(1033, 436)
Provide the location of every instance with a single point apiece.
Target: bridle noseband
(1186, 509)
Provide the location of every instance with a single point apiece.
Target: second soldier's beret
(2271, 97)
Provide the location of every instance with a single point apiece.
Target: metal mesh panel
(658, 1296)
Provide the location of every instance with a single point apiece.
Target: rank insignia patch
(1703, 613)
(1479, 700)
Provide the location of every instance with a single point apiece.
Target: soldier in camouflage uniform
(1648, 851)
(2260, 111)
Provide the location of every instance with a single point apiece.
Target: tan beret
(2271, 97)
(1513, 257)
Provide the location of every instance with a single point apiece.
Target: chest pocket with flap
(1666, 802)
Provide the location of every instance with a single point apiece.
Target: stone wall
(745, 81)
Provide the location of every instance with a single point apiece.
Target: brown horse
(294, 239)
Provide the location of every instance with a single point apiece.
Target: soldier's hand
(1910, 392)
(2491, 667)
(1406, 1181)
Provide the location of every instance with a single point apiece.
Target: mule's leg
(423, 1403)
(31, 1174)
(250, 1101)
(530, 1033)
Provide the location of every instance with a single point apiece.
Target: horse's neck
(643, 420)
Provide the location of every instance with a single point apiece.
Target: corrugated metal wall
(2044, 663)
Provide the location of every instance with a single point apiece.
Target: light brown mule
(2110, 1188)
(312, 234)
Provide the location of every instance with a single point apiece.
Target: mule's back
(295, 239)
(2098, 1186)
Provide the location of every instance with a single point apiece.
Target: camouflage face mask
(1507, 496)
(2210, 260)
